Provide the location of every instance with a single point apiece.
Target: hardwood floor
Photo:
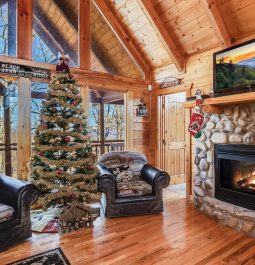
(182, 235)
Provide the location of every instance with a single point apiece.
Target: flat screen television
(234, 69)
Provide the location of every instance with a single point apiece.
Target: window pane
(8, 40)
(8, 127)
(55, 30)
(38, 95)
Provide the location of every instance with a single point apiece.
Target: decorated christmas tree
(63, 165)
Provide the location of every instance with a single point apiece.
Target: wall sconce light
(149, 87)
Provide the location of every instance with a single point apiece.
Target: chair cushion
(6, 212)
(133, 188)
(122, 173)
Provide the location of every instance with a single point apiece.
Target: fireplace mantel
(212, 105)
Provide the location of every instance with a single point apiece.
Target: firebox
(235, 174)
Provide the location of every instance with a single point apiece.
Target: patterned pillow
(122, 173)
(6, 212)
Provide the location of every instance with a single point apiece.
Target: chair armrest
(107, 182)
(157, 178)
(17, 193)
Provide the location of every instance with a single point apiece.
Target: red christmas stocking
(196, 121)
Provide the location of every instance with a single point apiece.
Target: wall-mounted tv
(234, 69)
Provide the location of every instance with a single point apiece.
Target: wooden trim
(217, 22)
(188, 155)
(123, 36)
(171, 90)
(91, 78)
(24, 127)
(169, 44)
(225, 100)
(129, 100)
(84, 34)
(24, 26)
(85, 99)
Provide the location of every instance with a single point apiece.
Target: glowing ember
(247, 183)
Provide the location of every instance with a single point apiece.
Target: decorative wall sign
(24, 71)
(171, 81)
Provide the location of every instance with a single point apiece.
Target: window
(38, 95)
(8, 39)
(55, 30)
(8, 126)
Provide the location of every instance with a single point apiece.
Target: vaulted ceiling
(155, 33)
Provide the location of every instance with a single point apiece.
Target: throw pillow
(122, 173)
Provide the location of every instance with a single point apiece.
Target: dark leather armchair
(116, 205)
(18, 195)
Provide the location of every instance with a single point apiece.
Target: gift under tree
(63, 165)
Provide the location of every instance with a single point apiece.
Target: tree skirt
(45, 222)
(54, 256)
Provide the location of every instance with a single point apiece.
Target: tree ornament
(67, 139)
(41, 153)
(60, 171)
(66, 127)
(75, 103)
(45, 125)
(52, 141)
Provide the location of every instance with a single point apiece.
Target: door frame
(160, 130)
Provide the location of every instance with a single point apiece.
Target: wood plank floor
(182, 235)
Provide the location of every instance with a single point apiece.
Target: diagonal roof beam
(123, 36)
(169, 44)
(97, 51)
(217, 22)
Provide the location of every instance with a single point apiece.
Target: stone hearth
(235, 125)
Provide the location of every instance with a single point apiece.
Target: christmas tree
(63, 165)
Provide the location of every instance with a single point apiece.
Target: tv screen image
(234, 69)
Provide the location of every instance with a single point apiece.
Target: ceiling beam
(96, 49)
(169, 44)
(217, 22)
(123, 36)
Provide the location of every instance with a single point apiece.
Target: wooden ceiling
(157, 33)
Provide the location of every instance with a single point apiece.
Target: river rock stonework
(235, 125)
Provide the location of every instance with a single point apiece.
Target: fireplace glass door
(235, 174)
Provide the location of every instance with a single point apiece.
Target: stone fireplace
(224, 169)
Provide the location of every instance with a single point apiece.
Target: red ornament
(90, 167)
(41, 153)
(75, 102)
(67, 139)
(45, 125)
(72, 196)
(80, 127)
(60, 171)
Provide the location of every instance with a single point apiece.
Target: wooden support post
(85, 36)
(129, 101)
(24, 126)
(101, 123)
(85, 99)
(25, 17)
(188, 154)
(7, 135)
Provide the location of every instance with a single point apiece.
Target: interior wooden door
(173, 136)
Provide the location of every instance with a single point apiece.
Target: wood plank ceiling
(190, 24)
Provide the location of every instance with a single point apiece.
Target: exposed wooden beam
(96, 49)
(85, 35)
(217, 22)
(90, 78)
(169, 44)
(25, 17)
(123, 36)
